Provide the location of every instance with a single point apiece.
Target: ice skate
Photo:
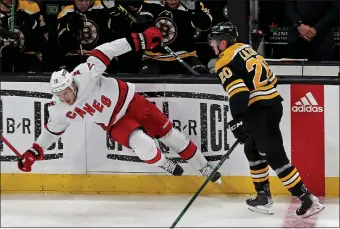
(262, 202)
(207, 170)
(172, 167)
(310, 205)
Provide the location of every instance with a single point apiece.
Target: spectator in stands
(219, 12)
(177, 21)
(26, 53)
(130, 61)
(310, 35)
(132, 6)
(51, 9)
(83, 26)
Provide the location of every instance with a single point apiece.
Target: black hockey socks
(259, 171)
(290, 177)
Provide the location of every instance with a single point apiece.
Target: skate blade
(261, 209)
(315, 209)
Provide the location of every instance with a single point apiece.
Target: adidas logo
(307, 104)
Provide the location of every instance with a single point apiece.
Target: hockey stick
(167, 48)
(11, 147)
(224, 157)
(12, 15)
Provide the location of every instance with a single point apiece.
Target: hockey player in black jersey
(84, 25)
(177, 21)
(26, 53)
(256, 109)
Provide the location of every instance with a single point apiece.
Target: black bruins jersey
(99, 27)
(178, 27)
(247, 78)
(32, 34)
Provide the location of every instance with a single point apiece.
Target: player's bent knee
(144, 147)
(176, 140)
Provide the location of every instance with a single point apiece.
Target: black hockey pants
(266, 140)
(265, 147)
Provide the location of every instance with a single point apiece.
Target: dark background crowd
(49, 34)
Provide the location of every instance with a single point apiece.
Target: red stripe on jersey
(123, 92)
(156, 158)
(55, 133)
(189, 152)
(101, 56)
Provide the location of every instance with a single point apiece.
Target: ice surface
(49, 210)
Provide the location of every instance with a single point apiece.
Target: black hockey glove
(24, 20)
(239, 130)
(143, 22)
(75, 23)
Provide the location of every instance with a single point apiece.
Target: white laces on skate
(169, 165)
(207, 170)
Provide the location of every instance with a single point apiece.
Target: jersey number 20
(259, 64)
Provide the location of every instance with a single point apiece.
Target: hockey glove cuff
(149, 39)
(33, 154)
(239, 130)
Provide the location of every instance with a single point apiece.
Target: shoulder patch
(98, 5)
(65, 11)
(28, 6)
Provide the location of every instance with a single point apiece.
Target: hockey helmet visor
(223, 31)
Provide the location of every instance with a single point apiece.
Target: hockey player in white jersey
(129, 118)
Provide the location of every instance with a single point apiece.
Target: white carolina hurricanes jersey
(99, 99)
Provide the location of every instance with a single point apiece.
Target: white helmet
(60, 80)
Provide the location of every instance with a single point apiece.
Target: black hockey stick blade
(223, 159)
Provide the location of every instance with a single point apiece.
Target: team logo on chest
(168, 29)
(90, 33)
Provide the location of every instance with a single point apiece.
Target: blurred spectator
(219, 12)
(310, 35)
(132, 6)
(84, 25)
(26, 53)
(177, 21)
(129, 62)
(50, 10)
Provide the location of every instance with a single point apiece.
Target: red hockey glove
(149, 39)
(35, 153)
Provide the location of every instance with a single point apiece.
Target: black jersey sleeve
(234, 85)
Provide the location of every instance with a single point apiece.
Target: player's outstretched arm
(101, 56)
(55, 127)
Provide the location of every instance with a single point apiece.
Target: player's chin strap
(167, 48)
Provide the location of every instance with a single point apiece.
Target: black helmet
(223, 31)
